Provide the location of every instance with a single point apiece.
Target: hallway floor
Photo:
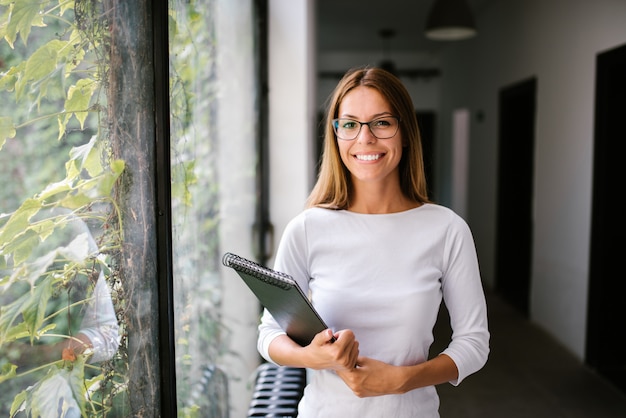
(528, 374)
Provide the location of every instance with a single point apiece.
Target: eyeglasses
(382, 128)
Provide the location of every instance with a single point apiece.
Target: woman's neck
(379, 199)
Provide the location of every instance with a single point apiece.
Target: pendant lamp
(450, 20)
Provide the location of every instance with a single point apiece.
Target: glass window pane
(59, 332)
(213, 100)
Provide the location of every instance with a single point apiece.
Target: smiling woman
(381, 94)
(378, 258)
(371, 159)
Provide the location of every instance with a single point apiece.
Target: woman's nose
(365, 135)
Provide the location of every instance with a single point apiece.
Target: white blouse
(383, 276)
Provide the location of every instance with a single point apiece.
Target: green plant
(54, 75)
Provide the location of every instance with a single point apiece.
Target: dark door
(606, 321)
(427, 121)
(516, 136)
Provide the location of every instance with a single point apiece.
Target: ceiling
(355, 25)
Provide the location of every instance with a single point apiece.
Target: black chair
(277, 391)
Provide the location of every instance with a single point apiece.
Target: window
(213, 122)
(87, 242)
(59, 225)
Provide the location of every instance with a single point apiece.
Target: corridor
(528, 374)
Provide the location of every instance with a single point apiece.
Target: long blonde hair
(334, 187)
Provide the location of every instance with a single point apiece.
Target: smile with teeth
(368, 157)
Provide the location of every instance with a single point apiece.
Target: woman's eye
(349, 125)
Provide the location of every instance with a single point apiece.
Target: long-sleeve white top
(384, 276)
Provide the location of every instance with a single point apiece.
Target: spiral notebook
(281, 295)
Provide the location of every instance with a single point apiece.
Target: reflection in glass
(212, 124)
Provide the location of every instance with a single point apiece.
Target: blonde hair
(333, 187)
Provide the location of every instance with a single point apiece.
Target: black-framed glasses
(382, 128)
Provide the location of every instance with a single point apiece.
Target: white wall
(557, 42)
(292, 108)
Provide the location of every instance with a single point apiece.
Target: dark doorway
(516, 138)
(427, 121)
(606, 317)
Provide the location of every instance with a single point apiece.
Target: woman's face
(369, 159)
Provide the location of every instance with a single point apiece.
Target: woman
(377, 257)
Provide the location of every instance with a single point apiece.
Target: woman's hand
(27, 355)
(375, 378)
(321, 353)
(372, 378)
(340, 354)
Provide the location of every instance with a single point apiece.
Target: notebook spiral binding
(275, 278)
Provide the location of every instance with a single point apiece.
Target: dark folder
(282, 297)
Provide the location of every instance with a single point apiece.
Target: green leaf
(55, 188)
(19, 221)
(72, 170)
(7, 129)
(24, 15)
(45, 228)
(21, 246)
(78, 98)
(76, 380)
(8, 80)
(87, 157)
(4, 17)
(9, 314)
(106, 183)
(62, 120)
(18, 401)
(7, 372)
(65, 6)
(34, 309)
(31, 272)
(118, 166)
(41, 64)
(80, 191)
(75, 201)
(31, 306)
(61, 388)
(43, 61)
(13, 332)
(93, 160)
(21, 331)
